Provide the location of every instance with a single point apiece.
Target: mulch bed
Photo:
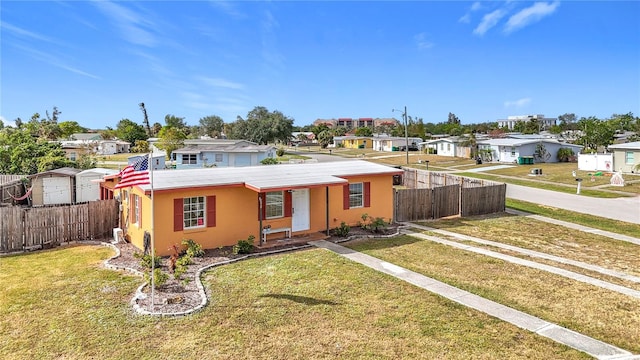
(177, 296)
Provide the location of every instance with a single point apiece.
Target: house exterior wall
(236, 159)
(446, 148)
(237, 213)
(620, 162)
(355, 143)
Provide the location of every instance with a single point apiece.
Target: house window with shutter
(274, 204)
(135, 207)
(193, 212)
(356, 195)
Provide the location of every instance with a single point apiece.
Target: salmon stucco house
(219, 206)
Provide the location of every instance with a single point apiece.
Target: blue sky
(481, 60)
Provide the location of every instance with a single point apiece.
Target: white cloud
(54, 60)
(488, 21)
(422, 41)
(133, 27)
(466, 18)
(228, 8)
(530, 15)
(218, 82)
(7, 122)
(25, 33)
(517, 103)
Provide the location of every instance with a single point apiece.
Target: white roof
(268, 177)
(626, 146)
(98, 171)
(518, 142)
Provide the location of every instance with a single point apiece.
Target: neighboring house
(354, 142)
(447, 146)
(110, 147)
(626, 157)
(74, 150)
(219, 206)
(222, 153)
(393, 143)
(509, 150)
(511, 121)
(86, 137)
(54, 187)
(88, 184)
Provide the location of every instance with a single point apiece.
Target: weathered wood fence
(432, 195)
(11, 185)
(28, 228)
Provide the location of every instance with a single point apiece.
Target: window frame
(273, 203)
(629, 157)
(218, 157)
(197, 208)
(189, 159)
(355, 194)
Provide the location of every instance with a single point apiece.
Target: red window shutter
(178, 214)
(345, 197)
(367, 194)
(211, 211)
(262, 214)
(287, 203)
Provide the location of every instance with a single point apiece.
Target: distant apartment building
(511, 121)
(352, 123)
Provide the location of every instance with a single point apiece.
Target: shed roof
(519, 142)
(65, 171)
(263, 178)
(98, 171)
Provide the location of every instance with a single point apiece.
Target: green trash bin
(520, 160)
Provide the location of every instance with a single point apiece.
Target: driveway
(624, 209)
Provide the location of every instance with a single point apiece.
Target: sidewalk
(593, 347)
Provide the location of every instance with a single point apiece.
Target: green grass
(599, 313)
(303, 305)
(619, 227)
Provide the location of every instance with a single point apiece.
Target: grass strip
(604, 315)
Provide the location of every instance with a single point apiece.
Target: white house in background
(509, 150)
(511, 121)
(446, 146)
(110, 147)
(626, 157)
(394, 143)
(88, 183)
(221, 153)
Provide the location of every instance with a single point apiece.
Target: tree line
(29, 147)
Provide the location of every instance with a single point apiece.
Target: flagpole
(153, 247)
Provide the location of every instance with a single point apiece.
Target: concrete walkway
(591, 346)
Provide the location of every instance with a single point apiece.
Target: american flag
(135, 174)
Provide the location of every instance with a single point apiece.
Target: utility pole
(406, 131)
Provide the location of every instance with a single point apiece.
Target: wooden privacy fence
(436, 195)
(11, 185)
(26, 228)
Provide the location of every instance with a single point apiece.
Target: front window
(628, 157)
(275, 204)
(218, 158)
(356, 195)
(189, 159)
(513, 151)
(193, 212)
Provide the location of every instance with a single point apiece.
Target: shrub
(146, 260)
(269, 161)
(159, 278)
(244, 246)
(377, 224)
(193, 248)
(342, 230)
(565, 154)
(280, 152)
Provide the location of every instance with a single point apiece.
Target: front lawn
(303, 305)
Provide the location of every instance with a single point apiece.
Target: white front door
(300, 210)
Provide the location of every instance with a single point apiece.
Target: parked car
(412, 147)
